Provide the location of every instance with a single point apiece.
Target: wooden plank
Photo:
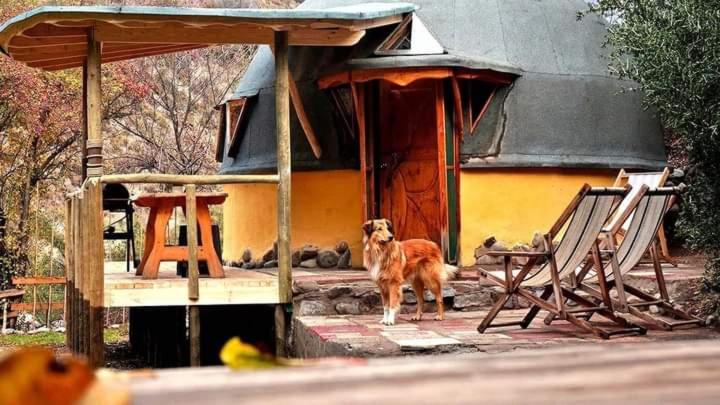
(23, 306)
(95, 256)
(358, 95)
(441, 165)
(282, 120)
(667, 372)
(194, 326)
(38, 281)
(182, 180)
(93, 92)
(304, 119)
(192, 243)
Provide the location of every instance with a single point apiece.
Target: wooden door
(411, 159)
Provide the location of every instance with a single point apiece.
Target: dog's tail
(450, 271)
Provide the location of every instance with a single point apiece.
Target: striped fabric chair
(578, 227)
(636, 181)
(645, 212)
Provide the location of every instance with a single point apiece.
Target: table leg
(152, 266)
(215, 267)
(149, 240)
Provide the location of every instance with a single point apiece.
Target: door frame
(365, 96)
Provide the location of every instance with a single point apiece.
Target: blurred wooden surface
(669, 372)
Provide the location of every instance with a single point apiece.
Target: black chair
(116, 199)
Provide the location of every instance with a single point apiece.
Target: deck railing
(84, 253)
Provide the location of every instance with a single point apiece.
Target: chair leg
(494, 311)
(659, 276)
(609, 314)
(532, 313)
(617, 276)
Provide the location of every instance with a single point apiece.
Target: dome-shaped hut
(468, 119)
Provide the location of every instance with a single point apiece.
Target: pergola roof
(56, 37)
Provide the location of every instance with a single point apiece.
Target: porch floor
(125, 289)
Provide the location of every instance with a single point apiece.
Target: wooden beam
(282, 122)
(181, 180)
(193, 273)
(192, 242)
(236, 34)
(69, 63)
(93, 93)
(95, 257)
(24, 306)
(38, 280)
(304, 119)
(79, 55)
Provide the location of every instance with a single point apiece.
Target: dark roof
(564, 109)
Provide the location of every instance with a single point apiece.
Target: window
(239, 112)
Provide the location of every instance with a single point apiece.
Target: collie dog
(391, 263)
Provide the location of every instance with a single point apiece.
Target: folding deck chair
(582, 222)
(646, 210)
(636, 180)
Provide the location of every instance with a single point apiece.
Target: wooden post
(93, 107)
(77, 267)
(69, 274)
(282, 123)
(95, 258)
(92, 229)
(193, 273)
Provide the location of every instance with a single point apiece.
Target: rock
(26, 322)
(59, 330)
(248, 265)
(296, 258)
(654, 309)
(480, 251)
(57, 324)
(447, 292)
(259, 264)
(338, 291)
(327, 258)
(348, 308)
(9, 331)
(270, 264)
(309, 308)
(342, 247)
(538, 241)
(472, 300)
(303, 287)
(488, 260)
(41, 329)
(409, 298)
(269, 255)
(275, 249)
(521, 261)
(309, 264)
(308, 252)
(115, 326)
(345, 260)
(247, 256)
(499, 247)
(489, 242)
(711, 320)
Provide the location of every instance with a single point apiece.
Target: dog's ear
(389, 225)
(368, 228)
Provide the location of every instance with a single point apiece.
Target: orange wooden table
(161, 208)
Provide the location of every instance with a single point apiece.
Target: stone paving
(363, 335)
(336, 314)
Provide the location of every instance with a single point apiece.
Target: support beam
(282, 122)
(95, 256)
(93, 106)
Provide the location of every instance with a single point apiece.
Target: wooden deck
(123, 289)
(668, 372)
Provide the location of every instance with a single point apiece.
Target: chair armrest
(516, 254)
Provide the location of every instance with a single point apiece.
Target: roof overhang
(56, 37)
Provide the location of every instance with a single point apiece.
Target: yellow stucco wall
(325, 209)
(511, 204)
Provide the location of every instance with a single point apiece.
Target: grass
(57, 338)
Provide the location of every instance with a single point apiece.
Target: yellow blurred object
(238, 355)
(33, 376)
